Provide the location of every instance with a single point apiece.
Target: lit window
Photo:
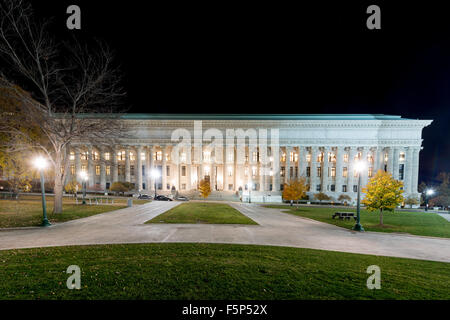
(283, 157)
(254, 171)
(255, 157)
(121, 155)
(319, 171)
(344, 172)
(386, 157)
(402, 156)
(331, 157)
(159, 156)
(72, 169)
(84, 155)
(206, 156)
(108, 170)
(107, 156)
(370, 174)
(95, 155)
(295, 157)
(370, 158)
(143, 156)
(333, 172)
(308, 157)
(358, 156)
(97, 170)
(183, 157)
(320, 157)
(291, 156)
(72, 155)
(132, 156)
(346, 157)
(83, 168)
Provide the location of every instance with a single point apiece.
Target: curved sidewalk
(275, 228)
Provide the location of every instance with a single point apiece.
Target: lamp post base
(45, 223)
(358, 227)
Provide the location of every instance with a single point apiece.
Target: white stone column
(127, 165)
(325, 169)
(276, 169)
(351, 169)
(395, 166)
(390, 162)
(139, 168)
(115, 166)
(415, 170)
(77, 164)
(408, 172)
(379, 160)
(313, 170)
(148, 170)
(102, 169)
(302, 162)
(164, 168)
(364, 173)
(91, 172)
(287, 175)
(339, 166)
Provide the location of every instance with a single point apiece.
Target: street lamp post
(155, 175)
(359, 167)
(428, 193)
(41, 164)
(84, 178)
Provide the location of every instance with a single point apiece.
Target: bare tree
(62, 89)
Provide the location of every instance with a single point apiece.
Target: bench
(344, 215)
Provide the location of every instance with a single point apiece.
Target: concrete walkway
(275, 228)
(446, 216)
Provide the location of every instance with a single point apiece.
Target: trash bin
(130, 203)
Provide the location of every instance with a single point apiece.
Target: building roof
(191, 116)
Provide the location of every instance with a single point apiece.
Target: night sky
(272, 58)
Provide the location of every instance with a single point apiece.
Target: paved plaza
(275, 228)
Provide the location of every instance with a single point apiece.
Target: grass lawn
(28, 212)
(417, 223)
(214, 271)
(202, 212)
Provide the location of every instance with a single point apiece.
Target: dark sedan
(162, 198)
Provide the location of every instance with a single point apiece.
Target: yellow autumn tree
(295, 190)
(204, 188)
(383, 192)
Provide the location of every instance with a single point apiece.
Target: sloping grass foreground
(416, 223)
(214, 271)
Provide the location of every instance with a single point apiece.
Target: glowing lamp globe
(40, 163)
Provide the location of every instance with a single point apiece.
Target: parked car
(182, 198)
(144, 197)
(162, 198)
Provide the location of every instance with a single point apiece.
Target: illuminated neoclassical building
(321, 148)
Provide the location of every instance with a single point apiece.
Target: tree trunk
(381, 217)
(58, 188)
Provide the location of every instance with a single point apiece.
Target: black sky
(277, 58)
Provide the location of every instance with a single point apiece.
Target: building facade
(321, 148)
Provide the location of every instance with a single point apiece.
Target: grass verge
(416, 223)
(202, 212)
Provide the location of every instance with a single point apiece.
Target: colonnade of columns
(328, 169)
